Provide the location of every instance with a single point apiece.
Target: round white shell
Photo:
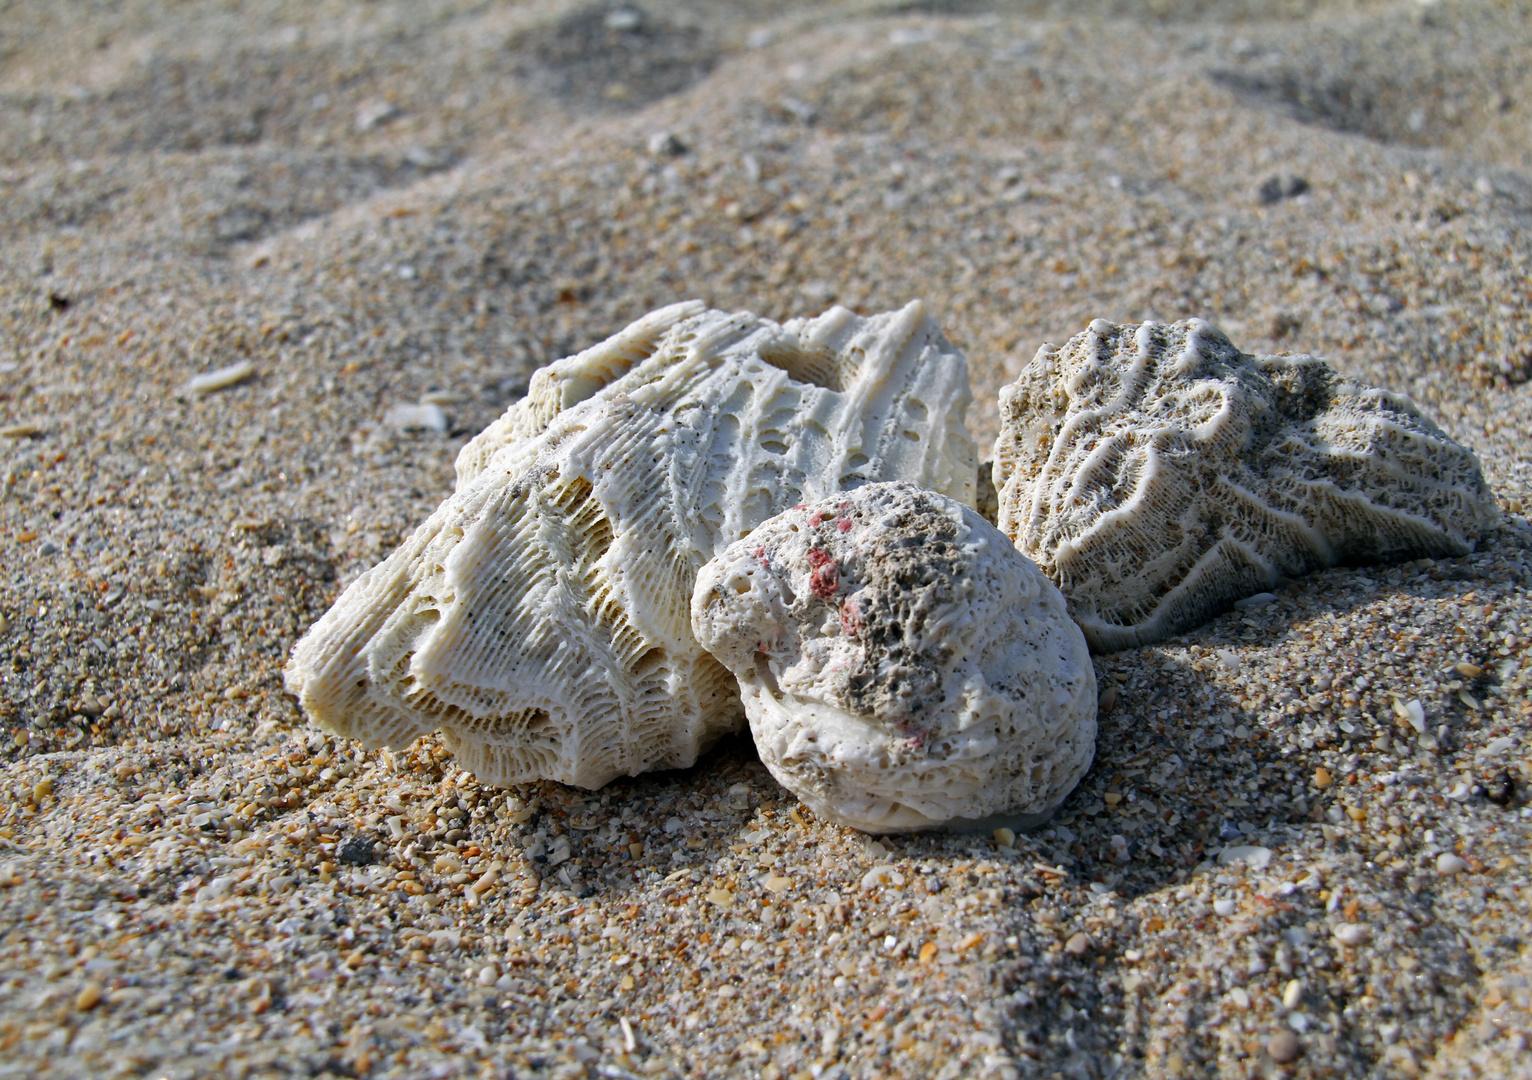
(903, 666)
(539, 618)
(1157, 474)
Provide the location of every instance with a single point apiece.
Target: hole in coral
(820, 367)
(653, 659)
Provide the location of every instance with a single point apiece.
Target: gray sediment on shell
(539, 618)
(902, 665)
(1157, 474)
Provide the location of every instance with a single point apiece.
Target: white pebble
(406, 417)
(1224, 907)
(1260, 599)
(882, 875)
(1257, 858)
(1292, 994)
(488, 974)
(1352, 934)
(1447, 864)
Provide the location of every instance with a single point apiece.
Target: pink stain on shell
(850, 617)
(824, 580)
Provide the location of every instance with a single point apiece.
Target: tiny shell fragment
(221, 379)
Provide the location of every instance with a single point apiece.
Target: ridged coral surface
(903, 666)
(539, 618)
(1158, 474)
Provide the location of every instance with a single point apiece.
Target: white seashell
(903, 666)
(1413, 713)
(1158, 474)
(427, 416)
(212, 381)
(539, 617)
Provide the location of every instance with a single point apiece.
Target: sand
(1278, 865)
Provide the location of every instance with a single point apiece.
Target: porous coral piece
(902, 665)
(539, 618)
(1157, 474)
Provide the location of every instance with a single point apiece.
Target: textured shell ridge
(1279, 463)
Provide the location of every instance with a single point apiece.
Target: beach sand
(1276, 865)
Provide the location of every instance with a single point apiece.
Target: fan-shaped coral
(539, 618)
(903, 666)
(1158, 474)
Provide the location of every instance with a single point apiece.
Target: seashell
(1157, 474)
(902, 665)
(210, 382)
(539, 618)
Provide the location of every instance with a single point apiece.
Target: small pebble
(1223, 906)
(1259, 600)
(356, 851)
(1283, 1047)
(88, 997)
(1448, 864)
(1292, 994)
(664, 144)
(1352, 934)
(1077, 944)
(417, 418)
